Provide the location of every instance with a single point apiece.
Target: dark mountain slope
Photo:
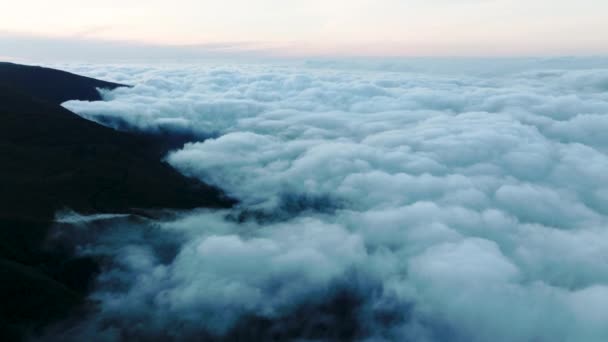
(54, 86)
(51, 159)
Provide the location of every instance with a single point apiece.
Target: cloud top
(430, 205)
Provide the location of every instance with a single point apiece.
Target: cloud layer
(430, 205)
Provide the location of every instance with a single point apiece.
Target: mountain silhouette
(52, 159)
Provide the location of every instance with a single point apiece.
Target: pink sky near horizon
(329, 27)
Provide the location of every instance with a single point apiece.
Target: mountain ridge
(53, 159)
(55, 86)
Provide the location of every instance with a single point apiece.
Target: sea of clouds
(399, 201)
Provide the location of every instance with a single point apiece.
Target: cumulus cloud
(376, 203)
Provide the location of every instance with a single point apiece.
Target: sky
(307, 28)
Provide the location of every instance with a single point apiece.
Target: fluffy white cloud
(452, 207)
